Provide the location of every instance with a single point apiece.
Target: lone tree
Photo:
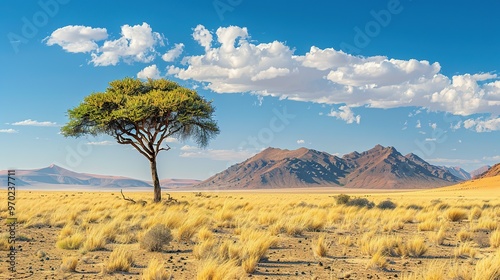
(144, 114)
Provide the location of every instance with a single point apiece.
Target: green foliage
(131, 107)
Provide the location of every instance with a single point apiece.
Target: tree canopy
(143, 114)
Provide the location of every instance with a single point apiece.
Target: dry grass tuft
(488, 268)
(495, 239)
(69, 264)
(121, 259)
(465, 250)
(212, 268)
(455, 214)
(320, 246)
(72, 242)
(155, 271)
(416, 247)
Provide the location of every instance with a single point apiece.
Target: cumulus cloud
(346, 114)
(77, 38)
(300, 141)
(224, 155)
(231, 63)
(151, 72)
(30, 122)
(10, 130)
(483, 125)
(136, 44)
(174, 53)
(203, 36)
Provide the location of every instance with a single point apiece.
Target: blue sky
(329, 75)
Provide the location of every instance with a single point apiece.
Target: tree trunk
(156, 182)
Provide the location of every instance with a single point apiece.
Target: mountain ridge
(379, 167)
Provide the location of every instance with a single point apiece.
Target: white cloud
(137, 43)
(10, 130)
(231, 63)
(101, 143)
(492, 158)
(77, 38)
(481, 125)
(419, 124)
(30, 122)
(171, 140)
(300, 141)
(224, 155)
(456, 126)
(346, 114)
(151, 72)
(202, 36)
(174, 53)
(430, 139)
(433, 125)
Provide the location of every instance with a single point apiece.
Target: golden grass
(455, 214)
(119, 260)
(465, 250)
(234, 233)
(213, 269)
(488, 268)
(416, 247)
(155, 271)
(72, 242)
(69, 264)
(320, 246)
(495, 239)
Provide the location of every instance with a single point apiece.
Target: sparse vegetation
(234, 235)
(156, 237)
(69, 264)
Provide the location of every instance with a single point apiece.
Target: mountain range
(57, 176)
(379, 167)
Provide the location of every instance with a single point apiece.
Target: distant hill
(379, 167)
(491, 172)
(458, 172)
(479, 171)
(54, 175)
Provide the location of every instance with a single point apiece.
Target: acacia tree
(144, 114)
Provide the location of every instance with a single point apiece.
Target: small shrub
(69, 264)
(360, 202)
(157, 237)
(386, 204)
(414, 207)
(342, 199)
